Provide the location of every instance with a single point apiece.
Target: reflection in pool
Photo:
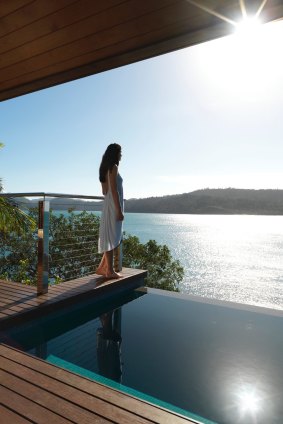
(216, 362)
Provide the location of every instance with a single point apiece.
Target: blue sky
(206, 116)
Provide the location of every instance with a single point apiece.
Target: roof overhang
(49, 42)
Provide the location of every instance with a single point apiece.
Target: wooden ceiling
(49, 42)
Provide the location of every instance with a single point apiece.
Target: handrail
(43, 194)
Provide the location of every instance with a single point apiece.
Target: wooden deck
(18, 301)
(34, 391)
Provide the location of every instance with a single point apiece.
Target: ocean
(228, 257)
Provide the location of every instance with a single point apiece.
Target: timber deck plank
(8, 416)
(29, 409)
(34, 390)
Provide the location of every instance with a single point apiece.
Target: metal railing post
(43, 247)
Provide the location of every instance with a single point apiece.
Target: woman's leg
(105, 267)
(109, 262)
(110, 270)
(101, 270)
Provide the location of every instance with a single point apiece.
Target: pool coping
(216, 302)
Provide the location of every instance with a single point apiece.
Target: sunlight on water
(235, 258)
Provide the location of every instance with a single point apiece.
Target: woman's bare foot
(113, 275)
(100, 271)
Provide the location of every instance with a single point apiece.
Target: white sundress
(111, 230)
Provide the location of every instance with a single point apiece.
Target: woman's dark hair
(109, 159)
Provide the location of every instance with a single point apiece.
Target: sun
(244, 66)
(248, 27)
(249, 402)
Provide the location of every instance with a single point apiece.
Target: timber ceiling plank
(78, 33)
(7, 7)
(107, 42)
(30, 13)
(51, 24)
(126, 53)
(47, 42)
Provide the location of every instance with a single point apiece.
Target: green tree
(73, 253)
(18, 255)
(72, 249)
(12, 218)
(163, 271)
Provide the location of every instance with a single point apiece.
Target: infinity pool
(213, 362)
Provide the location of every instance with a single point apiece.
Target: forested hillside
(213, 201)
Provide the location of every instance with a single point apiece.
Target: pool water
(214, 362)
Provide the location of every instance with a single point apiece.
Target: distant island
(214, 202)
(227, 201)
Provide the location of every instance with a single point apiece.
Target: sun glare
(246, 66)
(248, 27)
(249, 402)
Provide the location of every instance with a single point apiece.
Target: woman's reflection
(109, 345)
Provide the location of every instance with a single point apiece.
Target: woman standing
(110, 231)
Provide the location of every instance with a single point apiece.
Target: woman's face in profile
(120, 155)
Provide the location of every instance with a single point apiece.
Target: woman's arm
(115, 194)
(104, 187)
